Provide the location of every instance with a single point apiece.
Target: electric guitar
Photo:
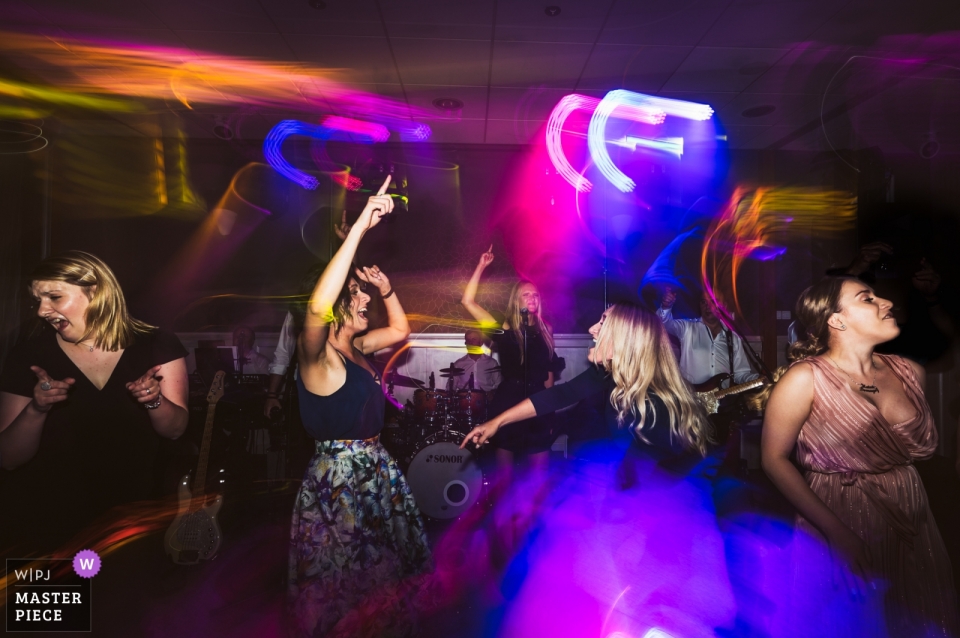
(711, 398)
(194, 534)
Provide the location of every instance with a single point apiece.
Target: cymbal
(404, 382)
(452, 370)
(452, 374)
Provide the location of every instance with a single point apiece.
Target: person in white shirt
(249, 360)
(484, 368)
(286, 346)
(704, 349)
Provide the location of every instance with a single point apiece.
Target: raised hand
(146, 389)
(49, 391)
(376, 277)
(669, 298)
(343, 228)
(378, 206)
(926, 280)
(486, 258)
(869, 253)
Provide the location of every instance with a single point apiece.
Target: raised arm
(788, 409)
(316, 326)
(469, 299)
(397, 328)
(665, 312)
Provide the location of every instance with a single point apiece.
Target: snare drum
(445, 480)
(472, 406)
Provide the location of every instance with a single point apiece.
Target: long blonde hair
(641, 362)
(515, 318)
(107, 321)
(814, 308)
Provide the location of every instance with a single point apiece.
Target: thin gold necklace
(871, 389)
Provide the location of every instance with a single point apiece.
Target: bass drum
(445, 480)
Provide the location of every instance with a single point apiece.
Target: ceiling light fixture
(553, 11)
(448, 103)
(759, 111)
(317, 4)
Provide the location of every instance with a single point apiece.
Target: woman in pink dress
(857, 421)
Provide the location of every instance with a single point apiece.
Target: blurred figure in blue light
(630, 543)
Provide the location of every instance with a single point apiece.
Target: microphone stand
(524, 315)
(727, 321)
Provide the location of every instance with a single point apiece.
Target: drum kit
(445, 480)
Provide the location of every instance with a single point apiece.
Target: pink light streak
(376, 132)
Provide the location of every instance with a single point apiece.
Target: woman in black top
(82, 406)
(649, 402)
(527, 362)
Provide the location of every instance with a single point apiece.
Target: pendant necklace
(871, 389)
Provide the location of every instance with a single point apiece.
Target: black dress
(98, 448)
(519, 382)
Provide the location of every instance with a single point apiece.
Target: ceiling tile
(363, 60)
(437, 12)
(212, 15)
(578, 21)
(463, 62)
(357, 17)
(716, 100)
(94, 14)
(514, 131)
(436, 31)
(805, 69)
(721, 69)
(462, 132)
(524, 104)
(788, 108)
(538, 64)
(769, 24)
(668, 22)
(743, 136)
(264, 46)
(635, 68)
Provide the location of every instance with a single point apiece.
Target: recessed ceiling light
(317, 4)
(552, 11)
(448, 104)
(759, 111)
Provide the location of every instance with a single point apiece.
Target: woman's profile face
(63, 306)
(529, 297)
(595, 333)
(865, 314)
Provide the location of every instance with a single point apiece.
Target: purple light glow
(274, 155)
(376, 132)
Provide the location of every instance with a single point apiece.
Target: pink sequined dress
(861, 467)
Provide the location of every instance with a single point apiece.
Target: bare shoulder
(918, 370)
(796, 385)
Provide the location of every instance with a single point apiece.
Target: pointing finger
(41, 373)
(343, 218)
(386, 185)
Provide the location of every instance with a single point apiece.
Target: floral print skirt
(359, 558)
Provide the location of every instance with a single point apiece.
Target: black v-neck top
(354, 412)
(98, 448)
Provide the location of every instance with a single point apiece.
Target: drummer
(482, 367)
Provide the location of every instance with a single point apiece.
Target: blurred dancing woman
(857, 421)
(357, 537)
(527, 362)
(646, 524)
(83, 404)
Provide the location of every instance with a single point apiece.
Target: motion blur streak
(754, 218)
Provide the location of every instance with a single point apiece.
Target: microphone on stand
(470, 382)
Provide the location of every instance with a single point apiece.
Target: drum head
(445, 480)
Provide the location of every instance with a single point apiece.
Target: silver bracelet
(155, 404)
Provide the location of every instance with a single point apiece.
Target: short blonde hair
(108, 323)
(642, 361)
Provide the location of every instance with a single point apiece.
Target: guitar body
(194, 534)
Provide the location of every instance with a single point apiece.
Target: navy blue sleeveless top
(354, 411)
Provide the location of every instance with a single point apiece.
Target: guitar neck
(737, 389)
(200, 480)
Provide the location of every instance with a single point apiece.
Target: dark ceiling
(769, 68)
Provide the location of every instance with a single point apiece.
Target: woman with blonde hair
(631, 541)
(856, 421)
(648, 399)
(528, 364)
(83, 404)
